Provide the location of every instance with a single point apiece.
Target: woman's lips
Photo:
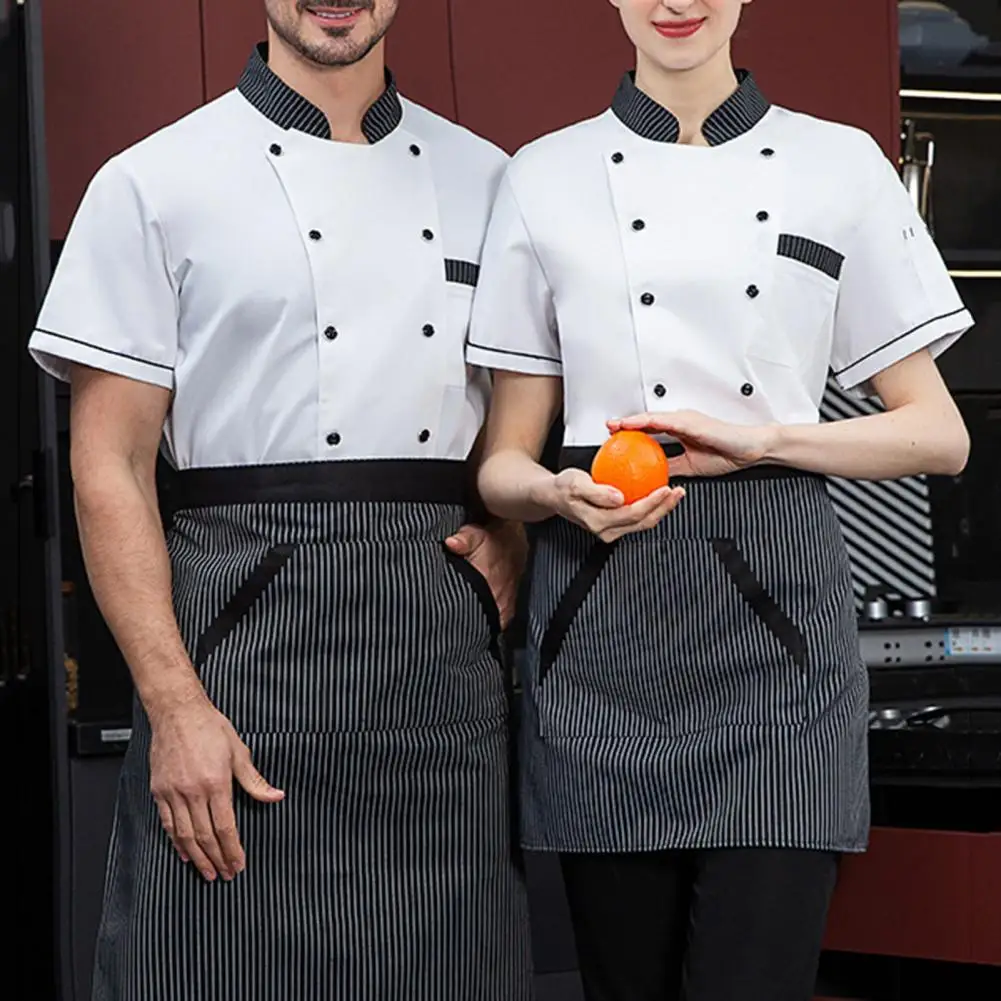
(679, 29)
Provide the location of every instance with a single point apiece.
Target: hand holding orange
(633, 463)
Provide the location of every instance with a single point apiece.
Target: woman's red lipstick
(679, 29)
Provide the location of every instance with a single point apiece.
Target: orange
(633, 463)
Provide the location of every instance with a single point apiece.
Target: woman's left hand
(712, 447)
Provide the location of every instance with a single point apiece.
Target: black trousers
(721, 925)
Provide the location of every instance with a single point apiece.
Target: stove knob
(875, 610)
(918, 608)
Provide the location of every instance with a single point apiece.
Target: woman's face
(680, 34)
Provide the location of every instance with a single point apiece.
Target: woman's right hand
(602, 510)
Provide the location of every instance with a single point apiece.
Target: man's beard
(346, 54)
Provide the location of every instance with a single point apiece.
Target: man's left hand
(499, 552)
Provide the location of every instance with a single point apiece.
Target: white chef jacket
(728, 279)
(303, 299)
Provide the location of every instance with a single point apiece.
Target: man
(280, 284)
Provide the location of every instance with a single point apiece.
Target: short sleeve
(112, 302)
(514, 322)
(896, 296)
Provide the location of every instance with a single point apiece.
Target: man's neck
(343, 93)
(690, 95)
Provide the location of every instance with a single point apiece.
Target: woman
(693, 262)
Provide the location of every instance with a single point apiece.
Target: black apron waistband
(414, 481)
(581, 457)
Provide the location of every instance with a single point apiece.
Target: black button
(647, 298)
(275, 149)
(747, 389)
(659, 390)
(424, 436)
(315, 234)
(428, 330)
(762, 216)
(638, 224)
(753, 291)
(415, 149)
(767, 151)
(427, 234)
(333, 438)
(617, 158)
(330, 333)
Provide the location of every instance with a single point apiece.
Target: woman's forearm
(909, 440)
(515, 487)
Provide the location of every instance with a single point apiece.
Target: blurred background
(920, 915)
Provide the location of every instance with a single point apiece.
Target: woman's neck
(690, 95)
(343, 93)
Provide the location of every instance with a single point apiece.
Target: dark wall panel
(114, 72)
(517, 80)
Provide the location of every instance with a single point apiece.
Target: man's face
(680, 34)
(331, 32)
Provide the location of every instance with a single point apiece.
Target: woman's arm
(921, 431)
(513, 485)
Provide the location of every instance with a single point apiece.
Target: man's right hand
(194, 759)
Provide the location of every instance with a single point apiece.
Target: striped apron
(359, 662)
(699, 685)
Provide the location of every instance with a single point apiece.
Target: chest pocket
(805, 296)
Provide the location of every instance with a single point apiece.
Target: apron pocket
(242, 601)
(480, 588)
(569, 605)
(762, 604)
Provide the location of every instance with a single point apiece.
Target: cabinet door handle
(8, 233)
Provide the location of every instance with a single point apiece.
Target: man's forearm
(129, 570)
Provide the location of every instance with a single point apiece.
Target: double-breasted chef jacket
(700, 685)
(353, 266)
(307, 304)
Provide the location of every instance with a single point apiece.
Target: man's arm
(115, 429)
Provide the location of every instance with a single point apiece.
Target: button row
(332, 333)
(767, 153)
(660, 390)
(275, 149)
(334, 438)
(315, 235)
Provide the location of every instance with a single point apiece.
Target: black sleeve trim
(462, 272)
(813, 254)
(899, 337)
(106, 351)
(515, 354)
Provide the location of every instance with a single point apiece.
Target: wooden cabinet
(114, 72)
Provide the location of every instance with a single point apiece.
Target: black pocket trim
(813, 254)
(481, 589)
(569, 605)
(242, 601)
(462, 272)
(753, 592)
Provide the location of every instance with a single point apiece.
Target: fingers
(638, 422)
(184, 831)
(580, 487)
(645, 515)
(205, 836)
(466, 540)
(224, 825)
(252, 781)
(167, 820)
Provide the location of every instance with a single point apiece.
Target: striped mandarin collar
(276, 100)
(738, 114)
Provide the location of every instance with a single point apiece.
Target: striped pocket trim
(812, 254)
(462, 272)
